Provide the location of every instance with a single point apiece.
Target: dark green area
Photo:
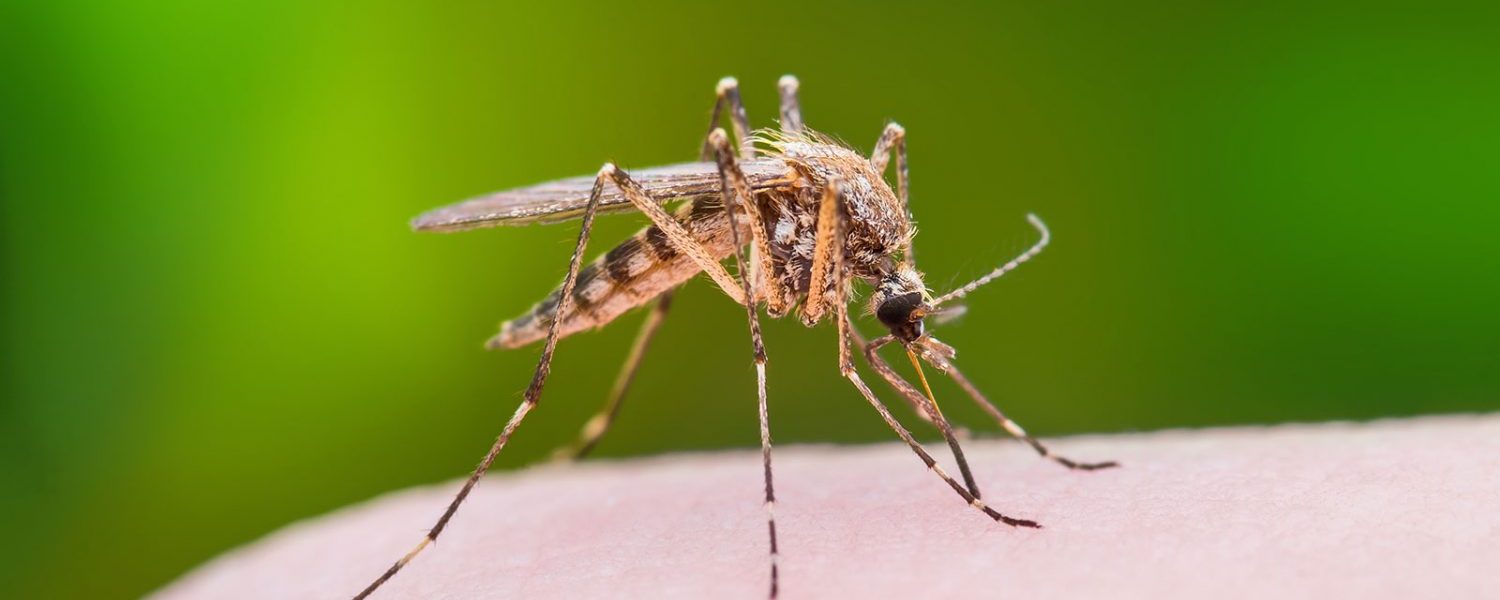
(215, 320)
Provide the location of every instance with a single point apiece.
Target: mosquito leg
(594, 430)
(828, 255)
(841, 278)
(1011, 426)
(893, 141)
(736, 197)
(727, 93)
(530, 398)
(774, 293)
(676, 234)
(791, 109)
(916, 447)
(827, 286)
(859, 343)
(929, 407)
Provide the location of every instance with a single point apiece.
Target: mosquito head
(900, 302)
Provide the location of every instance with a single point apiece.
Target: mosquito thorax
(900, 304)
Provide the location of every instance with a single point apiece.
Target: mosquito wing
(566, 198)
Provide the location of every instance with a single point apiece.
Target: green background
(215, 320)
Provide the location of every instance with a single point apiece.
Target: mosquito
(805, 218)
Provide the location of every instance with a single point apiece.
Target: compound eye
(897, 311)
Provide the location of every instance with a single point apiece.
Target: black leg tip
(1078, 466)
(1020, 523)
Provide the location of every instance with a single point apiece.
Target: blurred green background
(216, 322)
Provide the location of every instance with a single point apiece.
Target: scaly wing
(566, 198)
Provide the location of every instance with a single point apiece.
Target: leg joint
(788, 83)
(725, 85)
(719, 139)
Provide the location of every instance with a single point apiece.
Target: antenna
(1034, 250)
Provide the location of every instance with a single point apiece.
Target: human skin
(1391, 509)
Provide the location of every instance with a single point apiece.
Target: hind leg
(594, 430)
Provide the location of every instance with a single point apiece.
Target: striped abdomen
(630, 275)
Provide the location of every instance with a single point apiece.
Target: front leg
(847, 369)
(830, 285)
(861, 347)
(828, 257)
(944, 364)
(928, 404)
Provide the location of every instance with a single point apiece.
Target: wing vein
(565, 199)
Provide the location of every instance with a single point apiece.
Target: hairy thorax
(877, 225)
(646, 266)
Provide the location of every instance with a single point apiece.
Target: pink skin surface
(1392, 509)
